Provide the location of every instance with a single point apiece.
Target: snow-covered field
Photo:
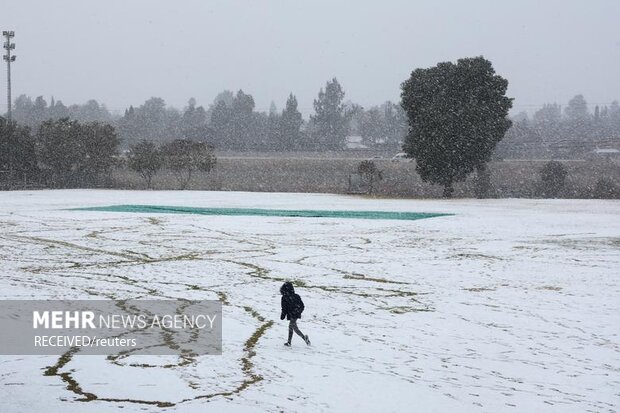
(509, 305)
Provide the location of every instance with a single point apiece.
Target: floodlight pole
(8, 58)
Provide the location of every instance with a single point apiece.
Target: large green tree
(234, 124)
(242, 120)
(457, 114)
(151, 121)
(578, 129)
(372, 126)
(221, 120)
(331, 120)
(290, 125)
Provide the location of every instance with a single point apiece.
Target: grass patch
(405, 309)
(362, 277)
(550, 288)
(478, 289)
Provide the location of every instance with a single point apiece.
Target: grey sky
(122, 52)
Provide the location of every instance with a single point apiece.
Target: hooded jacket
(292, 306)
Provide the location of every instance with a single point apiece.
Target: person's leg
(290, 330)
(293, 327)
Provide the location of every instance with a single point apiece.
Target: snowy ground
(509, 305)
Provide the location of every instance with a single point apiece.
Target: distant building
(606, 153)
(354, 142)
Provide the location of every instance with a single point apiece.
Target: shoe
(307, 339)
(287, 344)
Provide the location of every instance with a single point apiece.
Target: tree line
(65, 153)
(33, 113)
(232, 122)
(566, 133)
(454, 115)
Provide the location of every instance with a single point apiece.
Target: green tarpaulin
(264, 212)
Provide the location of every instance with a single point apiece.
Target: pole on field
(8, 58)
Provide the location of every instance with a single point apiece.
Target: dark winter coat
(292, 306)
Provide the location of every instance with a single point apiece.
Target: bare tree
(368, 170)
(146, 159)
(184, 157)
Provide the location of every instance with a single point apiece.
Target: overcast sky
(122, 52)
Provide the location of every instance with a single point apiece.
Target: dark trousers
(292, 326)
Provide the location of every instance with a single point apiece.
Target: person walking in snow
(292, 307)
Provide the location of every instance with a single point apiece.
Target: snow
(508, 305)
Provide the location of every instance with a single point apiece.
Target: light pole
(8, 59)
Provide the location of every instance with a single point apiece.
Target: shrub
(74, 154)
(369, 171)
(606, 188)
(552, 179)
